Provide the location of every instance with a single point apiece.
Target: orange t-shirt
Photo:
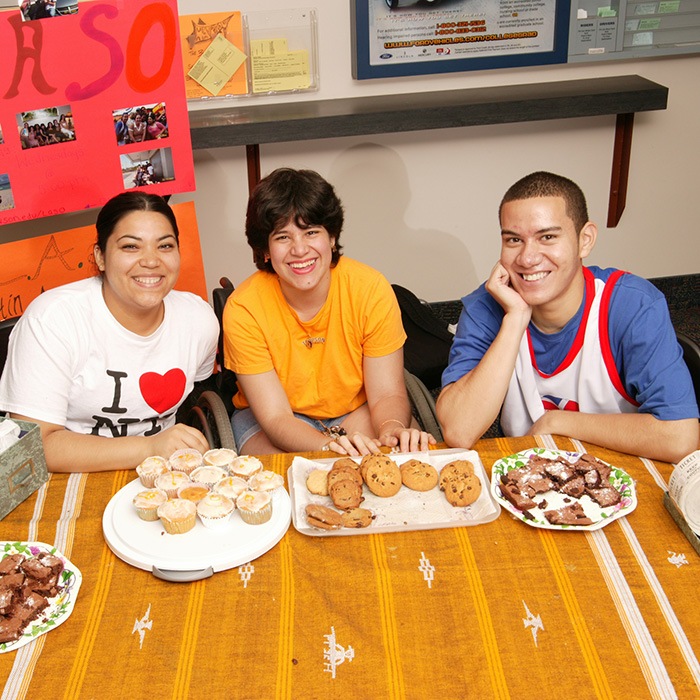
(318, 362)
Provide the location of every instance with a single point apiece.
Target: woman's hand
(178, 437)
(355, 445)
(406, 439)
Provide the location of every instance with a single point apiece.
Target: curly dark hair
(285, 195)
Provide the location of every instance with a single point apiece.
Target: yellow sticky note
(284, 71)
(268, 47)
(217, 64)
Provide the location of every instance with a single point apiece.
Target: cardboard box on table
(22, 468)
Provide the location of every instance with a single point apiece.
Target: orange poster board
(34, 265)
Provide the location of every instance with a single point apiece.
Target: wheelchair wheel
(211, 417)
(423, 405)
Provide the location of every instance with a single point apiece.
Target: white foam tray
(407, 510)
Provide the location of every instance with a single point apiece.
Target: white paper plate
(619, 479)
(195, 554)
(407, 510)
(60, 607)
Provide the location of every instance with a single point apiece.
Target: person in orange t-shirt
(316, 340)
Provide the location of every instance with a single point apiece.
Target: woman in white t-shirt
(114, 355)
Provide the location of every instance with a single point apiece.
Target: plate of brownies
(560, 490)
(38, 589)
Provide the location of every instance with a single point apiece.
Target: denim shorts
(244, 425)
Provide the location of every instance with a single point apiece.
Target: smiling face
(302, 258)
(140, 265)
(542, 252)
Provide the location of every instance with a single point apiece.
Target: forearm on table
(390, 413)
(634, 433)
(467, 407)
(291, 434)
(67, 451)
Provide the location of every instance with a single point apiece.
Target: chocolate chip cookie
(346, 494)
(357, 517)
(418, 476)
(323, 517)
(383, 478)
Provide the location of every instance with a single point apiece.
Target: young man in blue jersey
(558, 348)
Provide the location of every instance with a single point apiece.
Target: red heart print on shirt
(162, 391)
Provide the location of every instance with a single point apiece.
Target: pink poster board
(65, 83)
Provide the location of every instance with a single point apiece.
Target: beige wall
(421, 206)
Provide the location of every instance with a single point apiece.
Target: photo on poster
(7, 199)
(147, 167)
(1, 138)
(46, 127)
(139, 124)
(43, 9)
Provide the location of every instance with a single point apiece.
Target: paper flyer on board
(212, 66)
(406, 31)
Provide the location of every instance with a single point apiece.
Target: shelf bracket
(252, 155)
(620, 168)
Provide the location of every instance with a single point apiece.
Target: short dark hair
(544, 184)
(302, 196)
(125, 203)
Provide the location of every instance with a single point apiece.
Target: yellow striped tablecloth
(501, 610)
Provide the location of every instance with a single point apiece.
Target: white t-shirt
(71, 363)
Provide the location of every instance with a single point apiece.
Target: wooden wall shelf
(253, 124)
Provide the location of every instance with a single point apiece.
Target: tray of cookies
(340, 496)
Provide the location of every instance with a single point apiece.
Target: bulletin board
(67, 82)
(414, 37)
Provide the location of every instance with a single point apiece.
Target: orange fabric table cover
(500, 610)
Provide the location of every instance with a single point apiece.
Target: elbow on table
(457, 434)
(685, 439)
(668, 440)
(457, 430)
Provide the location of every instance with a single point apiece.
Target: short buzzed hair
(544, 184)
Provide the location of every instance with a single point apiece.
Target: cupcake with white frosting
(231, 487)
(185, 460)
(150, 468)
(265, 481)
(208, 475)
(255, 507)
(246, 466)
(177, 515)
(147, 503)
(170, 482)
(214, 510)
(221, 457)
